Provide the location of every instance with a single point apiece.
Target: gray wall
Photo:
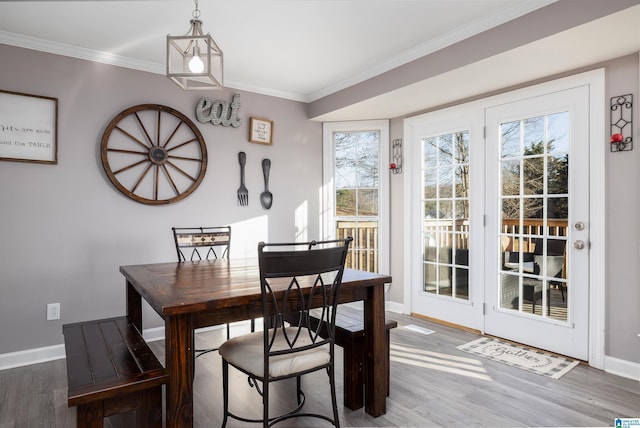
(65, 229)
(622, 319)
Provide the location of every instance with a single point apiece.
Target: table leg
(179, 365)
(375, 395)
(134, 307)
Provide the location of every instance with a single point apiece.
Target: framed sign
(28, 128)
(261, 131)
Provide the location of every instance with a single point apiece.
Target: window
(356, 190)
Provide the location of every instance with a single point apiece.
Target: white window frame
(327, 221)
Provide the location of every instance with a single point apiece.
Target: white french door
(537, 254)
(446, 188)
(499, 216)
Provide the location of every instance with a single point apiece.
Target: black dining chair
(204, 243)
(193, 242)
(294, 278)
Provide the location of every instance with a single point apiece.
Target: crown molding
(63, 49)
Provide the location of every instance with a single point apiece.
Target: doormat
(532, 360)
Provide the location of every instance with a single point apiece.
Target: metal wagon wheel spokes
(153, 154)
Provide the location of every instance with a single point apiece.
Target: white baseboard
(394, 307)
(157, 333)
(56, 352)
(616, 366)
(622, 368)
(31, 356)
(153, 334)
(388, 306)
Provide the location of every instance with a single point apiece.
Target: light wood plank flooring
(432, 385)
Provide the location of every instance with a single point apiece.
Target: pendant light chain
(196, 12)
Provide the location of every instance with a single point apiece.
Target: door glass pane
(533, 169)
(558, 137)
(532, 208)
(533, 135)
(534, 217)
(445, 179)
(445, 210)
(510, 139)
(558, 174)
(511, 177)
(357, 166)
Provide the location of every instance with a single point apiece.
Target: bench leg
(90, 415)
(387, 362)
(353, 374)
(150, 411)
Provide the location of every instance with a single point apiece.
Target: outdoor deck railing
(363, 253)
(447, 233)
(532, 228)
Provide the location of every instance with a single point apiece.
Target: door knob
(578, 245)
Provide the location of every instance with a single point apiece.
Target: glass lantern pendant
(194, 61)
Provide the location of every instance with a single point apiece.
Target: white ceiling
(603, 39)
(295, 49)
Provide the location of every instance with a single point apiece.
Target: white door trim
(597, 214)
(597, 274)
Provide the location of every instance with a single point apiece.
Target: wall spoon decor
(266, 197)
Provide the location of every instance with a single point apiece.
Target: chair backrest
(202, 243)
(285, 269)
(555, 247)
(555, 261)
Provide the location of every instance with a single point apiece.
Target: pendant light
(194, 61)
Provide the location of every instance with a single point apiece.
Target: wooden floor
(432, 385)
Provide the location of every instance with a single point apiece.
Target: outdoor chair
(535, 263)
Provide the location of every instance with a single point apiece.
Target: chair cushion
(246, 353)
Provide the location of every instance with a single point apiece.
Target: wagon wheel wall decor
(154, 154)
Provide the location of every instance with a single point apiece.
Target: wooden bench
(350, 336)
(112, 370)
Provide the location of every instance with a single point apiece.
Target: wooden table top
(190, 287)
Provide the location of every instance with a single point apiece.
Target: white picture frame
(28, 128)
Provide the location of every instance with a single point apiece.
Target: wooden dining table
(192, 295)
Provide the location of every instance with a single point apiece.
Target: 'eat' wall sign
(219, 112)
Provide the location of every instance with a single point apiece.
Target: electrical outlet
(53, 311)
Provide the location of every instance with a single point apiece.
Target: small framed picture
(261, 131)
(28, 128)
